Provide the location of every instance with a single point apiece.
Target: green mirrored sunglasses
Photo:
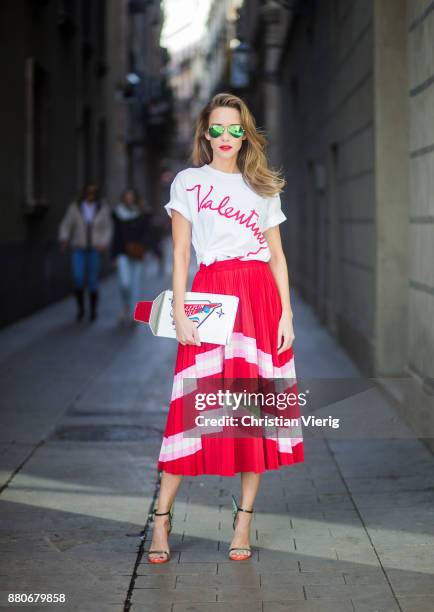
(235, 129)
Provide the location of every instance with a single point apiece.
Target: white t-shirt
(228, 218)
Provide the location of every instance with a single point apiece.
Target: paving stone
(190, 545)
(217, 607)
(157, 596)
(349, 591)
(412, 583)
(344, 516)
(275, 542)
(161, 581)
(338, 540)
(228, 580)
(407, 542)
(374, 602)
(346, 531)
(365, 555)
(375, 577)
(141, 607)
(416, 603)
(272, 564)
(252, 567)
(202, 531)
(271, 524)
(331, 605)
(239, 594)
(417, 560)
(331, 565)
(318, 550)
(242, 594)
(113, 584)
(313, 578)
(177, 568)
(266, 555)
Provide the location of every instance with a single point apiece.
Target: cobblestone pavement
(84, 406)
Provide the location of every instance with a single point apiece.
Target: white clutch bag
(214, 315)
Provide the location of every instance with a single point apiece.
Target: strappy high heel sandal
(235, 510)
(165, 552)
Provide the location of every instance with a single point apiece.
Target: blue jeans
(130, 279)
(86, 260)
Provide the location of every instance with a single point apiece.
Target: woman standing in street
(130, 242)
(87, 228)
(228, 206)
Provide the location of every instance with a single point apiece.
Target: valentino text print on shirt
(228, 218)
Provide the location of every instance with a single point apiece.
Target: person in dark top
(131, 236)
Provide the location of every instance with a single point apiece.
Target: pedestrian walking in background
(228, 206)
(87, 229)
(131, 237)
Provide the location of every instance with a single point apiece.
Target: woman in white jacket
(87, 229)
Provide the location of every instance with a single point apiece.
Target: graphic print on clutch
(213, 313)
(198, 311)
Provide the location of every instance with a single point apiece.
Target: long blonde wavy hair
(251, 160)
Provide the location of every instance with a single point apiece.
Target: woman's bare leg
(249, 487)
(168, 488)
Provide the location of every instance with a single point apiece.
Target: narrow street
(84, 408)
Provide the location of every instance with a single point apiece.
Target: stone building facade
(345, 90)
(67, 117)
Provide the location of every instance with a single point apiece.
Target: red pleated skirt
(251, 354)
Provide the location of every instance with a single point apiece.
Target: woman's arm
(279, 270)
(186, 330)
